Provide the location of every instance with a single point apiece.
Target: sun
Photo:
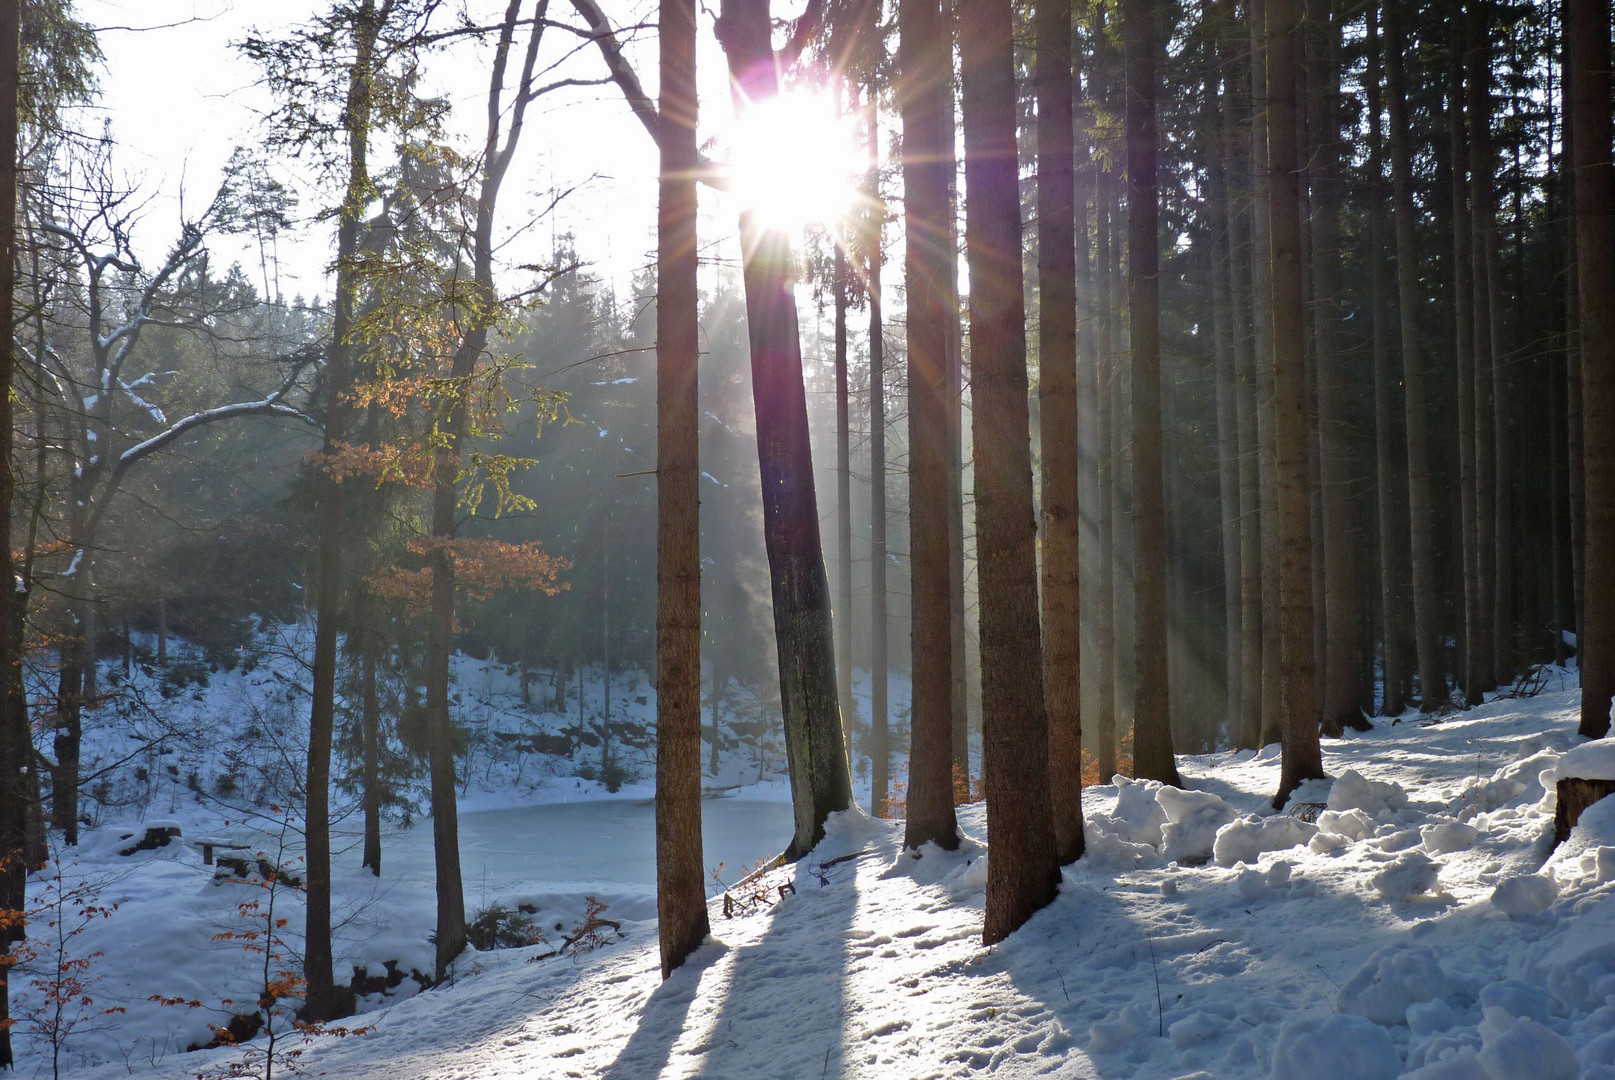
(794, 163)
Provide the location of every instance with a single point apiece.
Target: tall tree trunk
(321, 993)
(955, 400)
(843, 610)
(1247, 732)
(1574, 466)
(16, 740)
(1023, 872)
(879, 675)
(1421, 510)
(681, 904)
(815, 741)
(1342, 706)
(1484, 310)
(370, 703)
(1302, 756)
(1227, 392)
(925, 92)
(1152, 732)
(1476, 659)
(1105, 635)
(1057, 407)
(1595, 251)
(1262, 306)
(1388, 457)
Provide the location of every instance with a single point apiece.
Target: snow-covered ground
(1420, 925)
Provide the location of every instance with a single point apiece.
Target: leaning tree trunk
(815, 742)
(1302, 756)
(681, 907)
(1023, 872)
(1152, 731)
(1057, 422)
(1595, 251)
(925, 66)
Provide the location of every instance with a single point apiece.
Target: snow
(1393, 979)
(1524, 895)
(1349, 1047)
(1323, 957)
(1589, 761)
(1411, 875)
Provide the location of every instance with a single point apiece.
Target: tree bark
(1476, 658)
(1023, 871)
(1421, 512)
(842, 616)
(879, 674)
(815, 741)
(16, 739)
(1595, 269)
(1489, 463)
(1152, 732)
(1057, 427)
(1342, 706)
(1267, 454)
(369, 646)
(321, 996)
(1388, 459)
(1105, 634)
(681, 906)
(1302, 756)
(925, 69)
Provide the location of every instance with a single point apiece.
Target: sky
(180, 99)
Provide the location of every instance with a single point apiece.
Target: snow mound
(1519, 998)
(1196, 1027)
(1521, 1049)
(1137, 818)
(1244, 840)
(1446, 837)
(1586, 979)
(1353, 791)
(1394, 978)
(1358, 1050)
(1524, 895)
(1459, 1064)
(1516, 784)
(1352, 824)
(1589, 761)
(1118, 1029)
(1193, 818)
(1411, 875)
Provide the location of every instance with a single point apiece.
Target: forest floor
(1420, 924)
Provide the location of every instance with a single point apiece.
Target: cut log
(1575, 795)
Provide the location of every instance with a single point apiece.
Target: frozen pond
(606, 847)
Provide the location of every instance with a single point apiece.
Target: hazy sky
(181, 99)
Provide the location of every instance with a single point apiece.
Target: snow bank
(1394, 978)
(1411, 875)
(1524, 895)
(1245, 840)
(1356, 1050)
(1446, 837)
(1352, 791)
(1137, 817)
(1521, 1049)
(1193, 818)
(1589, 761)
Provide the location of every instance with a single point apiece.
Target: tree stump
(1576, 795)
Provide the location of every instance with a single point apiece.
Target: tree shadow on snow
(784, 1009)
(662, 1019)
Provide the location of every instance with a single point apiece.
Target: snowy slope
(1418, 927)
